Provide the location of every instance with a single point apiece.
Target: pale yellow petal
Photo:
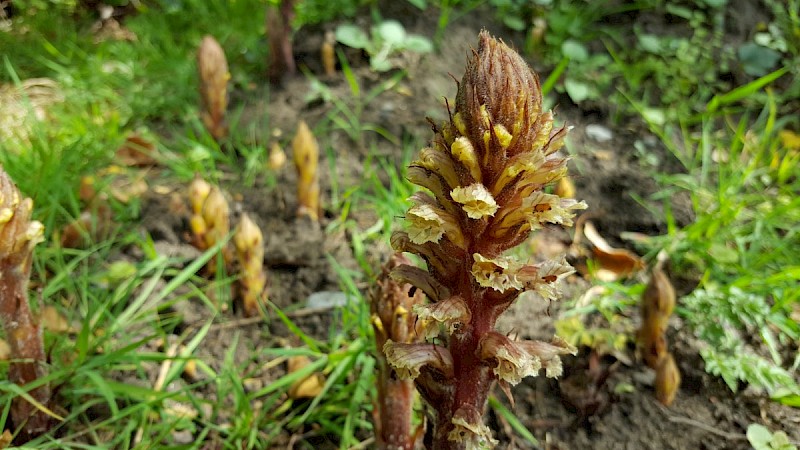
(469, 429)
(452, 313)
(476, 200)
(512, 362)
(408, 359)
(464, 152)
(498, 274)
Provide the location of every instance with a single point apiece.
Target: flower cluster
(485, 171)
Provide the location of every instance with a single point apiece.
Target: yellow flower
(464, 152)
(548, 354)
(498, 274)
(476, 200)
(428, 222)
(513, 363)
(528, 163)
(545, 277)
(469, 429)
(440, 163)
(18, 234)
(453, 313)
(425, 225)
(198, 193)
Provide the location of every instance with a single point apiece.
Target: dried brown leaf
(308, 387)
(91, 226)
(53, 320)
(136, 151)
(612, 263)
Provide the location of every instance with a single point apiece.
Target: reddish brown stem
(394, 413)
(27, 351)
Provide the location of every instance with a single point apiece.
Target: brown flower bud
(668, 380)
(213, 69)
(306, 161)
(249, 243)
(499, 101)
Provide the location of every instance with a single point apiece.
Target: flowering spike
(18, 237)
(486, 168)
(214, 76)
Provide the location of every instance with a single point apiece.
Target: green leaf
(574, 50)
(514, 22)
(352, 36)
(512, 420)
(650, 43)
(723, 254)
(759, 436)
(418, 44)
(420, 4)
(785, 396)
(745, 91)
(577, 91)
(654, 116)
(380, 64)
(756, 60)
(392, 31)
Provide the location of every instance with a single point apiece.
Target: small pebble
(327, 299)
(252, 384)
(182, 437)
(598, 133)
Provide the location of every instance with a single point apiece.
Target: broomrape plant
(485, 171)
(18, 236)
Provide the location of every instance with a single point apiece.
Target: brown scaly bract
(485, 171)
